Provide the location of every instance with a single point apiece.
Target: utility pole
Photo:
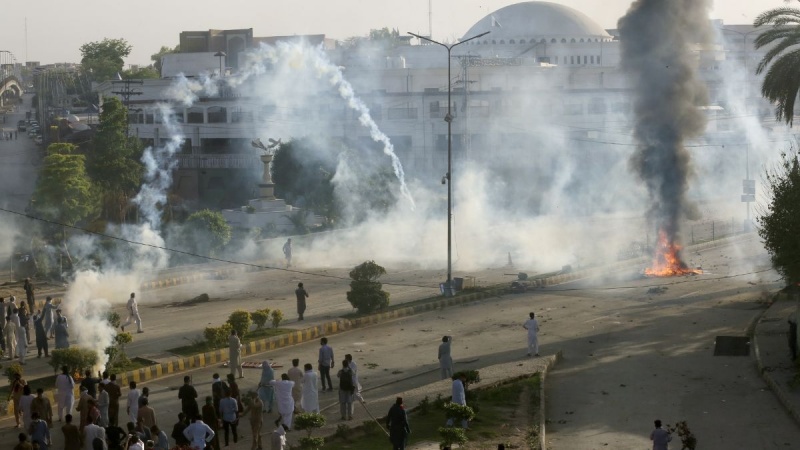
(126, 92)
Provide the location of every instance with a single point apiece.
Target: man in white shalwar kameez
(532, 325)
(133, 314)
(310, 401)
(235, 354)
(22, 344)
(445, 360)
(354, 368)
(10, 334)
(283, 393)
(459, 398)
(66, 395)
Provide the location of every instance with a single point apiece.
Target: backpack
(346, 380)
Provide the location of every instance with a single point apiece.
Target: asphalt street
(634, 349)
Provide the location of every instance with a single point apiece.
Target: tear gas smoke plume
(656, 42)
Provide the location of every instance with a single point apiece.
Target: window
(581, 40)
(217, 114)
(585, 60)
(591, 59)
(553, 41)
(522, 41)
(177, 115)
(572, 41)
(194, 115)
(598, 60)
(563, 41)
(572, 60)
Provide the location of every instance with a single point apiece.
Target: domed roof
(537, 20)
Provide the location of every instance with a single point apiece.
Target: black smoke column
(660, 40)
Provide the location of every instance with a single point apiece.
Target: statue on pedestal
(266, 188)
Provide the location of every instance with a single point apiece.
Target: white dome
(537, 20)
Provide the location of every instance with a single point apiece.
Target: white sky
(56, 29)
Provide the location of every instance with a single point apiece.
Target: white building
(544, 74)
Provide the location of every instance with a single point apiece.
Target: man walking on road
(532, 325)
(296, 375)
(188, 396)
(326, 363)
(287, 252)
(301, 295)
(133, 314)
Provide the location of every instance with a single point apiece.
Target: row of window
(408, 111)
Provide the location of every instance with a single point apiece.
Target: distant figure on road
(533, 341)
(287, 252)
(445, 360)
(28, 286)
(301, 295)
(397, 422)
(133, 314)
(660, 437)
(235, 354)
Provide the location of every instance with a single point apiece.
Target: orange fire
(667, 262)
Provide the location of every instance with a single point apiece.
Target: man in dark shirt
(114, 437)
(188, 396)
(177, 430)
(397, 422)
(90, 384)
(114, 393)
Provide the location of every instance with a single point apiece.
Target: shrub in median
(76, 359)
(366, 294)
(217, 337)
(240, 321)
(260, 317)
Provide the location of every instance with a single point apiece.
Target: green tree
(64, 193)
(148, 72)
(208, 230)
(103, 60)
(113, 163)
(240, 321)
(779, 224)
(366, 292)
(156, 57)
(302, 172)
(781, 83)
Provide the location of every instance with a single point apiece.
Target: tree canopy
(156, 57)
(209, 231)
(779, 224)
(113, 163)
(64, 193)
(782, 60)
(102, 60)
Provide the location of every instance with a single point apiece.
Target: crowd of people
(22, 324)
(98, 408)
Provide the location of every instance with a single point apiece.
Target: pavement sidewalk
(771, 348)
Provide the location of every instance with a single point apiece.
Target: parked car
(21, 125)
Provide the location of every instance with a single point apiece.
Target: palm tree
(782, 81)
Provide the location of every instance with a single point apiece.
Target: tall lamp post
(220, 54)
(449, 288)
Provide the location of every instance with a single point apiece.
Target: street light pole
(449, 288)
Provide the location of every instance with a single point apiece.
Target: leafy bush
(116, 352)
(424, 406)
(451, 436)
(343, 432)
(12, 370)
(260, 317)
(310, 422)
(311, 443)
(217, 337)
(76, 359)
(276, 317)
(240, 321)
(366, 294)
(458, 412)
(114, 319)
